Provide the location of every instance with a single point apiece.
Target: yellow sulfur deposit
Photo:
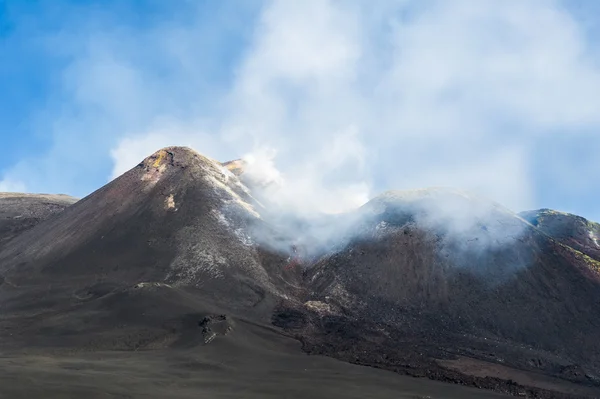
(161, 156)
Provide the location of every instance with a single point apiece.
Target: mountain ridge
(176, 254)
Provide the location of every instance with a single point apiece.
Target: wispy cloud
(347, 98)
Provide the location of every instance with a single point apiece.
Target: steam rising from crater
(335, 102)
(465, 223)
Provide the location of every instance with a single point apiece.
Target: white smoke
(338, 101)
(311, 187)
(467, 218)
(260, 169)
(333, 101)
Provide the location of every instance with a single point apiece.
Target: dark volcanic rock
(511, 292)
(572, 230)
(429, 283)
(175, 225)
(19, 212)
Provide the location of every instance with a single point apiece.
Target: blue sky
(339, 99)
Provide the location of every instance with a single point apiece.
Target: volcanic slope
(151, 287)
(132, 252)
(572, 230)
(437, 278)
(163, 260)
(20, 212)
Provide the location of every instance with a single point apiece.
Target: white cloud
(354, 98)
(134, 148)
(124, 78)
(430, 111)
(12, 186)
(462, 93)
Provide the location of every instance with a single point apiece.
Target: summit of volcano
(176, 267)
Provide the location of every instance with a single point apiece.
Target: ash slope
(164, 259)
(251, 362)
(151, 287)
(427, 291)
(572, 230)
(141, 261)
(19, 212)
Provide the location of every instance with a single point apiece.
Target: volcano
(173, 280)
(174, 226)
(497, 292)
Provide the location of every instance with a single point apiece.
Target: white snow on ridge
(239, 232)
(221, 183)
(594, 238)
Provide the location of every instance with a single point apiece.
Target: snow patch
(196, 261)
(594, 238)
(220, 185)
(239, 232)
(381, 226)
(170, 202)
(151, 284)
(318, 307)
(384, 229)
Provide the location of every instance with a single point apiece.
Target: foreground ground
(251, 362)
